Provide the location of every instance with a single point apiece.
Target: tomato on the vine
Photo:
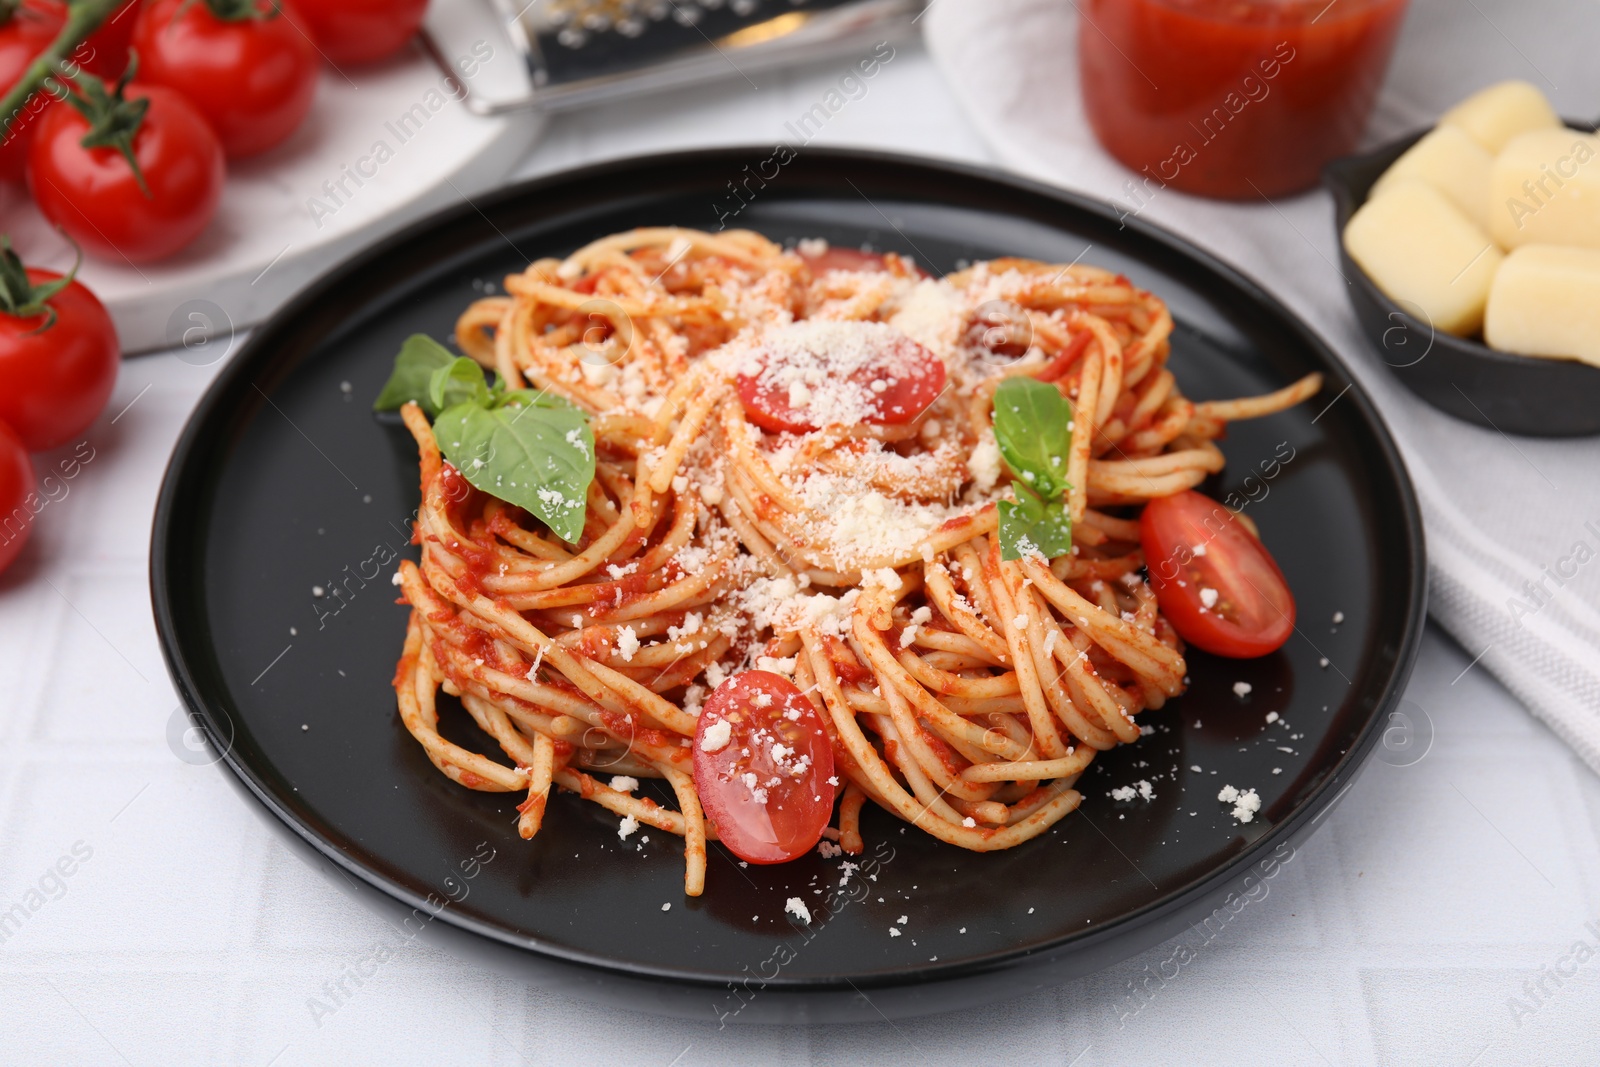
(106, 53)
(241, 63)
(352, 32)
(129, 173)
(58, 354)
(1218, 586)
(763, 766)
(27, 31)
(16, 486)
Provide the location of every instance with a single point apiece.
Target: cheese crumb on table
(797, 907)
(1241, 689)
(628, 825)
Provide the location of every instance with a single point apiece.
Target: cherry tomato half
(762, 764)
(893, 386)
(92, 192)
(351, 32)
(253, 77)
(1218, 586)
(835, 257)
(16, 486)
(28, 31)
(55, 380)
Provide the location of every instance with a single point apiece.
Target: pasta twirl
(962, 691)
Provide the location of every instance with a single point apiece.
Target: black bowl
(1459, 376)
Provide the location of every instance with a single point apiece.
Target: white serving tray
(288, 215)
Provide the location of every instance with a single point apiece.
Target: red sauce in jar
(1232, 98)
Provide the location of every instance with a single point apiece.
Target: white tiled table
(190, 935)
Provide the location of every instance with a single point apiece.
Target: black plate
(284, 480)
(1458, 375)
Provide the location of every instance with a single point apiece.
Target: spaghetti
(961, 691)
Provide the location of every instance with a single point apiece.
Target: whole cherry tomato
(1218, 586)
(241, 63)
(26, 32)
(351, 32)
(105, 54)
(58, 354)
(130, 174)
(16, 486)
(763, 766)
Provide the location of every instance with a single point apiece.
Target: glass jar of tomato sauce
(1233, 98)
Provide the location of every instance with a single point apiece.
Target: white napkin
(1498, 510)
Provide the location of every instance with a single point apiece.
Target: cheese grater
(581, 52)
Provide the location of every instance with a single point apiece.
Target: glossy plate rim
(184, 481)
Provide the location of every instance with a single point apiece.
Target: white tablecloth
(1434, 901)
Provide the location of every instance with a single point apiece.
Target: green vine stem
(83, 18)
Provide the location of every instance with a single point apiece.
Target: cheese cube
(1494, 115)
(1453, 163)
(1425, 254)
(1544, 188)
(1545, 301)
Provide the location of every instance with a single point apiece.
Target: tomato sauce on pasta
(797, 474)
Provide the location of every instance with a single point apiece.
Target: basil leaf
(536, 455)
(1031, 427)
(1029, 505)
(536, 399)
(458, 382)
(1023, 532)
(419, 357)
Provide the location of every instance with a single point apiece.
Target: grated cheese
(716, 736)
(1245, 803)
(627, 643)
